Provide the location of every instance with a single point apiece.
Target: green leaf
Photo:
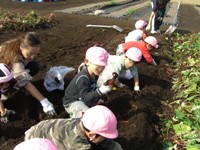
(179, 114)
(181, 128)
(193, 147)
(167, 146)
(191, 97)
(187, 121)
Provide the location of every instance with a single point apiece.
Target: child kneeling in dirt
(145, 46)
(18, 54)
(6, 81)
(124, 66)
(82, 93)
(98, 125)
(137, 34)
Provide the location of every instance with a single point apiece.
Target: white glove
(136, 88)
(48, 107)
(154, 63)
(4, 117)
(148, 27)
(105, 89)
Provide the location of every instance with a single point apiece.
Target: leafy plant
(24, 21)
(184, 125)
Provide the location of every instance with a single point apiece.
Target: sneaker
(155, 32)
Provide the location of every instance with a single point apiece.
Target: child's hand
(105, 89)
(48, 107)
(137, 90)
(4, 117)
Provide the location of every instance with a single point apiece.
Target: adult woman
(18, 54)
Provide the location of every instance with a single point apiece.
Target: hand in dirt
(5, 116)
(52, 113)
(137, 90)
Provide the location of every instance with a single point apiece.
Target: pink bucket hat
(37, 144)
(152, 41)
(97, 56)
(134, 54)
(140, 24)
(5, 73)
(100, 120)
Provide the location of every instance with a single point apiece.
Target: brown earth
(65, 44)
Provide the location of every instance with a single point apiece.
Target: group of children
(89, 121)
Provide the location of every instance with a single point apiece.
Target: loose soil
(65, 44)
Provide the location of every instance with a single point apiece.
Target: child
(157, 15)
(82, 93)
(18, 54)
(6, 79)
(137, 34)
(124, 66)
(37, 144)
(145, 46)
(98, 125)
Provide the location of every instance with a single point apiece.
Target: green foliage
(185, 123)
(24, 21)
(112, 3)
(132, 12)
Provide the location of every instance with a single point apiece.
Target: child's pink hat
(37, 144)
(97, 56)
(134, 54)
(152, 41)
(140, 24)
(5, 73)
(100, 120)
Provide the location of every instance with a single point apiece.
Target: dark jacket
(82, 88)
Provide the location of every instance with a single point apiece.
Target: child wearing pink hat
(36, 144)
(6, 80)
(82, 93)
(98, 125)
(145, 46)
(124, 66)
(137, 34)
